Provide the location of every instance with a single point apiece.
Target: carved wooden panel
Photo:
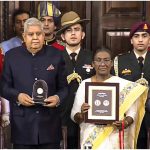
(114, 39)
(123, 7)
(7, 8)
(106, 17)
(6, 11)
(12, 5)
(110, 21)
(147, 11)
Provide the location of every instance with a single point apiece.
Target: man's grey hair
(32, 22)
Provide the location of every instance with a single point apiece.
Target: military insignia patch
(126, 72)
(145, 27)
(87, 67)
(74, 76)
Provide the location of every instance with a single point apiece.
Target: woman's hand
(118, 124)
(85, 107)
(79, 117)
(127, 122)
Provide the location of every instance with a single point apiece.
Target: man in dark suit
(78, 65)
(134, 66)
(18, 18)
(34, 125)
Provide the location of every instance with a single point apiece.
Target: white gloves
(5, 119)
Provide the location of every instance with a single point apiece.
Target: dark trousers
(40, 146)
(5, 138)
(73, 137)
(72, 143)
(142, 138)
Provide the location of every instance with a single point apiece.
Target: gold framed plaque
(103, 99)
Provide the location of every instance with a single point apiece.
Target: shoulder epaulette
(121, 54)
(116, 65)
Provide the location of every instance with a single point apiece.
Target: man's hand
(5, 119)
(52, 101)
(25, 100)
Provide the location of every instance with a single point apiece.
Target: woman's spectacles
(106, 61)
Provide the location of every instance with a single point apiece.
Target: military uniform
(85, 70)
(78, 67)
(49, 9)
(127, 66)
(55, 43)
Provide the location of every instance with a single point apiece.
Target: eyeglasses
(106, 61)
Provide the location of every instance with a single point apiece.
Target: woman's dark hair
(102, 49)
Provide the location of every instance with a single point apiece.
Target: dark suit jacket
(36, 124)
(84, 58)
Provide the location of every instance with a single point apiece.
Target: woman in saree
(132, 98)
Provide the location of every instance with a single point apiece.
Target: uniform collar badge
(126, 72)
(145, 26)
(87, 67)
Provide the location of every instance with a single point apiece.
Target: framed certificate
(103, 99)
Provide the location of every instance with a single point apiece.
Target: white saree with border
(132, 103)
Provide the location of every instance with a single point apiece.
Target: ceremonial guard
(134, 66)
(78, 66)
(49, 15)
